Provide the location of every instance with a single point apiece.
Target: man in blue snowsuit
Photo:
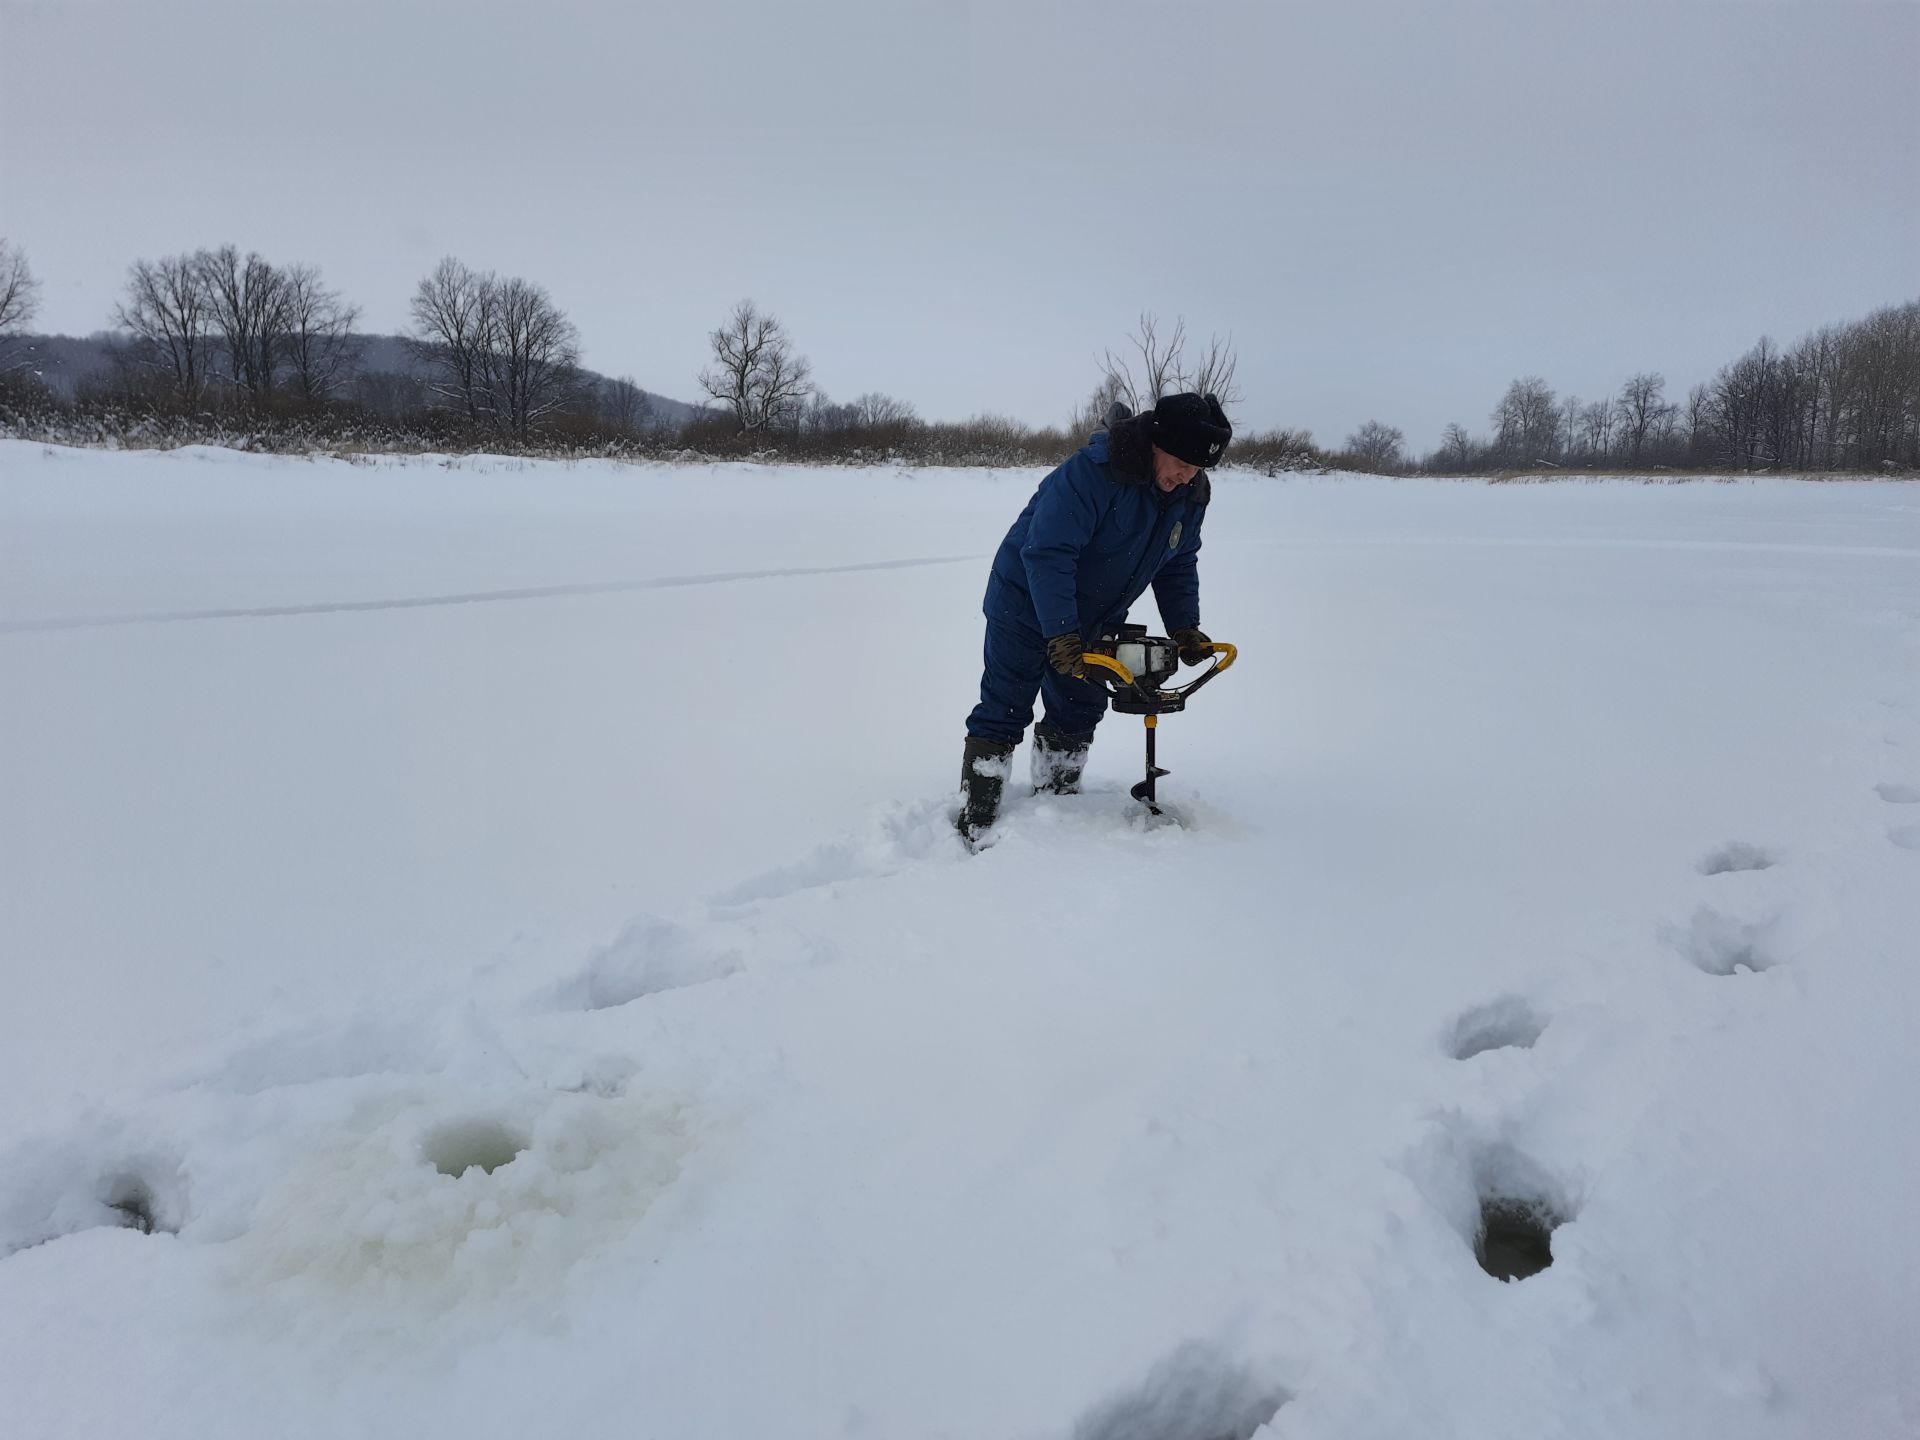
(1122, 513)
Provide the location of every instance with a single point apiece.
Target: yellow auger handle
(1224, 654)
(1107, 662)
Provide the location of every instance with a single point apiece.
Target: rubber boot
(983, 775)
(1058, 758)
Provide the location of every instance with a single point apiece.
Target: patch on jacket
(1173, 540)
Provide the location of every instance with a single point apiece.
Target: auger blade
(1143, 792)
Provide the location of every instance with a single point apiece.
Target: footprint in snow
(1721, 945)
(889, 842)
(1508, 1023)
(1896, 794)
(650, 956)
(1735, 856)
(1907, 837)
(59, 1190)
(1194, 1394)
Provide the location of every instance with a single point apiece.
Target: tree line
(1845, 398)
(214, 342)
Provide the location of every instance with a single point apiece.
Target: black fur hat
(1192, 428)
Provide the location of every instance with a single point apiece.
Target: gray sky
(1394, 208)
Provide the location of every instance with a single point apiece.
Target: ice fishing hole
(1516, 1236)
(464, 1145)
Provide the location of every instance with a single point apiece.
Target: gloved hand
(1067, 655)
(1193, 645)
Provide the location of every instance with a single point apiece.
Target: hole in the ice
(1194, 1394)
(1515, 1238)
(465, 1145)
(131, 1198)
(1896, 794)
(1508, 1023)
(1736, 856)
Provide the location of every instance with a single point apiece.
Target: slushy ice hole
(463, 1145)
(1516, 1236)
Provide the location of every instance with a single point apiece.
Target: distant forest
(216, 347)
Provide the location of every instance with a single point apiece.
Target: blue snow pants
(1016, 673)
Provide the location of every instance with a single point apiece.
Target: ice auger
(1134, 666)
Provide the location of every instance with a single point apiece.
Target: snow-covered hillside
(498, 925)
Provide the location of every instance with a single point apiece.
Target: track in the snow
(477, 597)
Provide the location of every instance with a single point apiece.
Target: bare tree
(1642, 407)
(167, 312)
(1660, 435)
(1158, 361)
(247, 308)
(1456, 447)
(320, 349)
(1526, 421)
(1881, 381)
(502, 350)
(622, 405)
(1816, 359)
(531, 358)
(1699, 423)
(1213, 371)
(1596, 429)
(1376, 446)
(873, 410)
(1092, 414)
(821, 416)
(450, 320)
(1744, 400)
(755, 373)
(1165, 368)
(19, 296)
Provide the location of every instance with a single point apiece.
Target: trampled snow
(485, 954)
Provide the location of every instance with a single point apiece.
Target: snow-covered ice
(485, 954)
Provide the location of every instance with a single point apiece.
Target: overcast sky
(1393, 208)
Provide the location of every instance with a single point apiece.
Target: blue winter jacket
(1096, 534)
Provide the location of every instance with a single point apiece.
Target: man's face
(1170, 473)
